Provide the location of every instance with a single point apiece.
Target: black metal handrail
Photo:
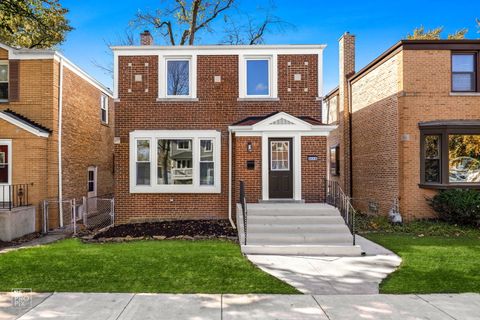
(243, 203)
(14, 196)
(335, 196)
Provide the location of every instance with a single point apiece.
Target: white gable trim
(24, 126)
(282, 122)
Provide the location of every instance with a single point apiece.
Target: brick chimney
(346, 59)
(146, 38)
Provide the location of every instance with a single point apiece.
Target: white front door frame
(297, 162)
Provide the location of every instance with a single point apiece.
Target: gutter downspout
(350, 147)
(230, 178)
(60, 114)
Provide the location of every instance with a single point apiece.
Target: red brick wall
(252, 178)
(314, 172)
(217, 108)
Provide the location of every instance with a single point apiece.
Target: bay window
(450, 154)
(175, 161)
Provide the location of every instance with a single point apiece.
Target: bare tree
(180, 22)
(125, 39)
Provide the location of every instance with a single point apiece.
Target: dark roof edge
(26, 121)
(465, 44)
(334, 90)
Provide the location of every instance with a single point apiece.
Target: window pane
(90, 175)
(3, 72)
(463, 81)
(464, 158)
(206, 150)
(174, 162)
(3, 90)
(257, 77)
(206, 173)
(91, 187)
(143, 150)
(4, 164)
(143, 173)
(104, 115)
(463, 62)
(333, 161)
(280, 155)
(178, 78)
(432, 158)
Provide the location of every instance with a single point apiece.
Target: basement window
(450, 154)
(175, 161)
(3, 80)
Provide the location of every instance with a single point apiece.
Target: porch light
(249, 147)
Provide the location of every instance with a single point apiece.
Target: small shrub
(460, 206)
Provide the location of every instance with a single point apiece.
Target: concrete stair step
(338, 250)
(301, 238)
(293, 212)
(292, 220)
(296, 228)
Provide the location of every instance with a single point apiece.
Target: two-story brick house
(408, 123)
(192, 121)
(56, 135)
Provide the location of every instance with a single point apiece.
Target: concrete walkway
(46, 239)
(123, 306)
(333, 275)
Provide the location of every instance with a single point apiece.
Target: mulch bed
(15, 242)
(171, 229)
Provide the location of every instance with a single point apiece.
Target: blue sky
(376, 24)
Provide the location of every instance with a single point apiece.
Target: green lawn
(432, 263)
(172, 266)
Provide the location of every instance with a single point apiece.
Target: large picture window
(450, 154)
(175, 161)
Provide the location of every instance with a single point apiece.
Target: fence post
(112, 201)
(85, 210)
(74, 217)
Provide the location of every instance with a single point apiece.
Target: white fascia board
(24, 126)
(218, 50)
(175, 133)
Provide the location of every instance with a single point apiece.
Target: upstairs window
(178, 78)
(104, 108)
(464, 72)
(3, 80)
(258, 74)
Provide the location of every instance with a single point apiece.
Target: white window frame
(104, 106)
(5, 63)
(195, 136)
(135, 160)
(271, 155)
(163, 77)
(272, 76)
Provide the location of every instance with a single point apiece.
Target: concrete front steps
(315, 229)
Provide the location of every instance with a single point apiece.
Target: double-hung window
(104, 108)
(258, 77)
(450, 154)
(3, 80)
(177, 77)
(175, 161)
(464, 72)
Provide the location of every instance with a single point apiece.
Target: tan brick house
(56, 131)
(408, 123)
(192, 121)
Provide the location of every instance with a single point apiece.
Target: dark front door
(280, 179)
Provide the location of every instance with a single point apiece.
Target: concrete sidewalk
(333, 275)
(99, 306)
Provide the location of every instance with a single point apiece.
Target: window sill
(449, 186)
(465, 94)
(174, 189)
(3, 100)
(258, 99)
(105, 124)
(177, 99)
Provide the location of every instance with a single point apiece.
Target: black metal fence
(14, 196)
(243, 203)
(335, 196)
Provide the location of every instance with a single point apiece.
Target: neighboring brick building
(191, 122)
(414, 118)
(49, 106)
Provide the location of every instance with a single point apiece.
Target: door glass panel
(280, 155)
(4, 164)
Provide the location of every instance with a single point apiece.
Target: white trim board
(23, 126)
